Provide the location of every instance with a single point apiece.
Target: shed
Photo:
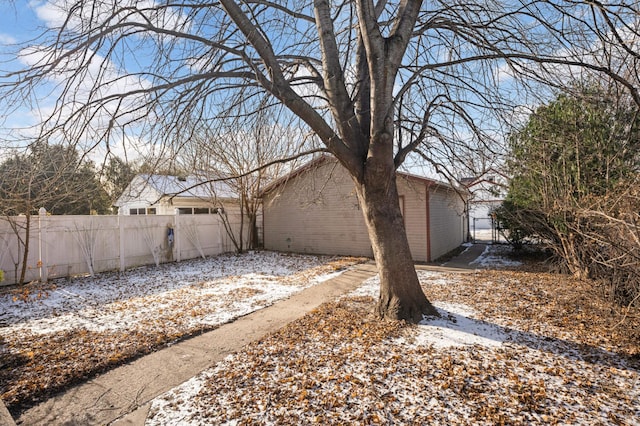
(315, 209)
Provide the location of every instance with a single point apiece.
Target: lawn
(58, 334)
(512, 345)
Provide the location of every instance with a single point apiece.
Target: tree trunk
(571, 256)
(401, 297)
(25, 253)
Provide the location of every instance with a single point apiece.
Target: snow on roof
(189, 186)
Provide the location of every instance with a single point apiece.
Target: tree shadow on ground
(458, 329)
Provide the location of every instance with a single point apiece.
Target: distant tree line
(57, 178)
(575, 186)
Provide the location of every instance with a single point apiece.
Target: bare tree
(374, 81)
(17, 199)
(244, 154)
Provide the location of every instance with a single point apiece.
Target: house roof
(324, 158)
(283, 179)
(190, 186)
(176, 186)
(431, 182)
(470, 182)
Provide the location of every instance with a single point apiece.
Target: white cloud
(100, 77)
(503, 73)
(96, 94)
(55, 13)
(99, 93)
(7, 39)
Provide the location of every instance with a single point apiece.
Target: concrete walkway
(464, 259)
(122, 396)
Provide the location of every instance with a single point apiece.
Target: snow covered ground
(57, 333)
(508, 348)
(110, 302)
(495, 257)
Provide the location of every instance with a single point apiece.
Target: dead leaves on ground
(339, 365)
(551, 305)
(37, 368)
(572, 361)
(34, 366)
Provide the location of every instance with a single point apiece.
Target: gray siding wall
(317, 212)
(446, 221)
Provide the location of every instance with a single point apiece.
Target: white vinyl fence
(64, 246)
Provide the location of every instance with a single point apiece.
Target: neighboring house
(162, 194)
(315, 210)
(488, 191)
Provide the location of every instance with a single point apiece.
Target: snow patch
(495, 256)
(218, 288)
(457, 327)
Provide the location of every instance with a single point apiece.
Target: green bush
(575, 168)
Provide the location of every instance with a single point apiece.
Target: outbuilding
(315, 210)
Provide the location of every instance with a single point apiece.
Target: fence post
(122, 245)
(221, 243)
(177, 237)
(42, 240)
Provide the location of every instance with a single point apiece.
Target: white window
(142, 211)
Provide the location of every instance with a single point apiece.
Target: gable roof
(483, 177)
(176, 187)
(328, 158)
(189, 186)
(284, 179)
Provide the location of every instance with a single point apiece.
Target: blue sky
(22, 21)
(18, 23)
